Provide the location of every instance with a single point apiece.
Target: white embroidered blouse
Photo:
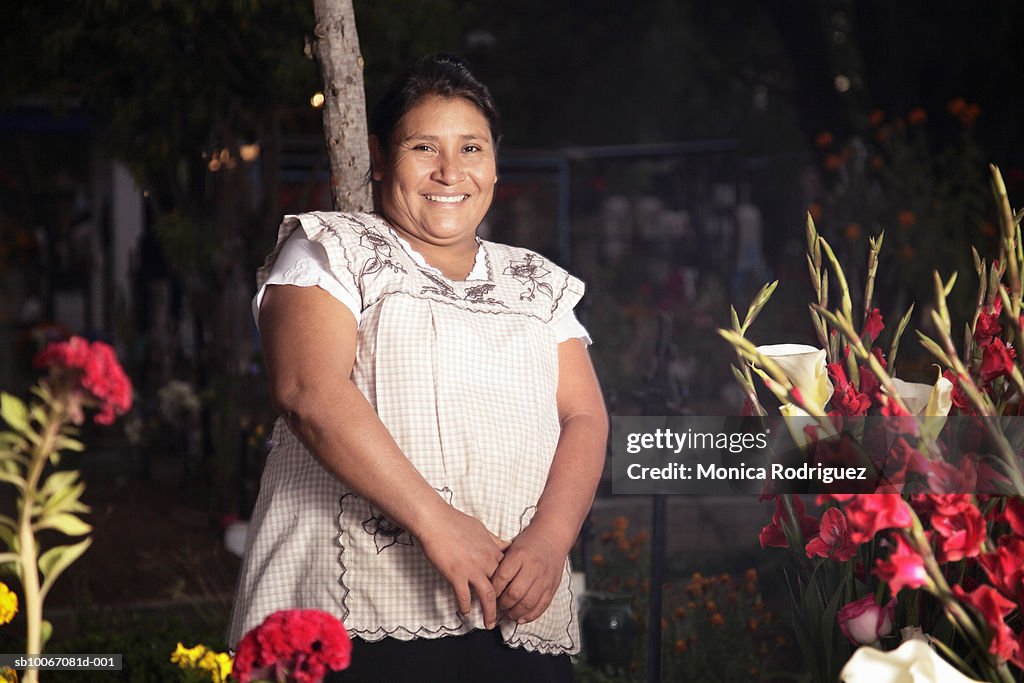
(463, 374)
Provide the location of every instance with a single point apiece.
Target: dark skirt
(478, 656)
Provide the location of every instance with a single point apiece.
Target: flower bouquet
(921, 549)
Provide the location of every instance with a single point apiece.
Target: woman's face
(437, 179)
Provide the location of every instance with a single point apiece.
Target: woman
(442, 430)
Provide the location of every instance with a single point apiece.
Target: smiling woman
(442, 430)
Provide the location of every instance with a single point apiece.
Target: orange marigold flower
(641, 537)
(750, 575)
(883, 133)
(632, 557)
(759, 605)
(710, 606)
(717, 619)
(916, 116)
(815, 210)
(956, 106)
(681, 646)
(732, 598)
(752, 624)
(876, 117)
(691, 605)
(906, 218)
(823, 139)
(751, 588)
(725, 578)
(876, 162)
(853, 231)
(621, 523)
(987, 229)
(622, 544)
(597, 560)
(833, 162)
(679, 613)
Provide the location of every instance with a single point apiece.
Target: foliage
(81, 375)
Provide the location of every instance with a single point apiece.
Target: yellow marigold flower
(8, 604)
(186, 657)
(8, 675)
(218, 664)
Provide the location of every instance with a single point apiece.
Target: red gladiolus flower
(1005, 568)
(1014, 513)
(846, 399)
(993, 607)
(773, 534)
(996, 360)
(864, 621)
(833, 540)
(93, 368)
(302, 644)
(873, 325)
(903, 568)
(958, 535)
(960, 399)
(867, 514)
(987, 328)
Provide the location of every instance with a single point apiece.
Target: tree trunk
(336, 48)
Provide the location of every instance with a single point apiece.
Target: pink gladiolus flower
(903, 568)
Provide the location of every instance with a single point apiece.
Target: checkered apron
(463, 375)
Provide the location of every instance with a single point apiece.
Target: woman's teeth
(446, 199)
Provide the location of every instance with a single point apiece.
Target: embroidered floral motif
(476, 294)
(385, 532)
(373, 240)
(529, 271)
(442, 288)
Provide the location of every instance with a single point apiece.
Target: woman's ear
(376, 159)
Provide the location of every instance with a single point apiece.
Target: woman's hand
(466, 554)
(529, 574)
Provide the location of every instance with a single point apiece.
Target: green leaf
(55, 560)
(69, 444)
(6, 521)
(65, 499)
(58, 481)
(14, 412)
(45, 631)
(12, 478)
(65, 523)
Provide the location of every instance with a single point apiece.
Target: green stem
(28, 552)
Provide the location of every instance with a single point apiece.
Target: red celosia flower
(864, 621)
(833, 540)
(773, 534)
(1005, 567)
(903, 568)
(993, 607)
(996, 360)
(302, 644)
(873, 325)
(869, 513)
(94, 368)
(958, 531)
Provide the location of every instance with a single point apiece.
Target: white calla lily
(804, 366)
(912, 662)
(926, 400)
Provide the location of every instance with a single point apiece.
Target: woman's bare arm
(531, 571)
(309, 342)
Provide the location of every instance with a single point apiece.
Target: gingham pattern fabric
(463, 374)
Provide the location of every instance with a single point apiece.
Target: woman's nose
(449, 169)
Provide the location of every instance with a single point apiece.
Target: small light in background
(249, 152)
(839, 37)
(842, 83)
(317, 100)
(214, 165)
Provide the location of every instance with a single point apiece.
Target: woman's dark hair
(442, 75)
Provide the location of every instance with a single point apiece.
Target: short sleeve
(300, 261)
(569, 327)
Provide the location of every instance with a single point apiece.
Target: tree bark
(336, 48)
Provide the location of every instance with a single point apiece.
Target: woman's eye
(422, 148)
(471, 148)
